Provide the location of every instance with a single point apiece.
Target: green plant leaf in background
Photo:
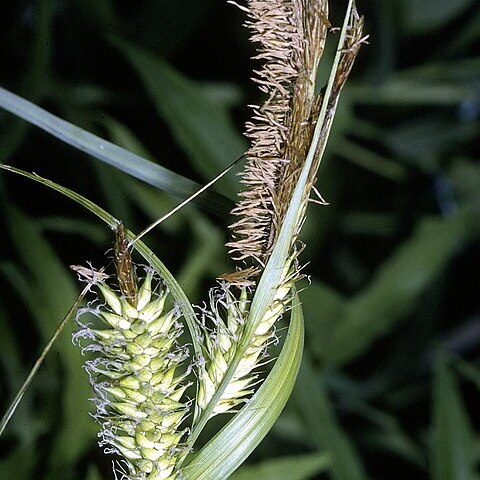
(310, 398)
(465, 175)
(68, 318)
(35, 81)
(28, 424)
(432, 14)
(201, 126)
(393, 291)
(408, 90)
(468, 370)
(51, 291)
(453, 454)
(298, 467)
(117, 187)
(388, 435)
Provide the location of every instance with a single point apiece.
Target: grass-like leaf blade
(177, 292)
(453, 453)
(314, 407)
(109, 153)
(295, 467)
(222, 455)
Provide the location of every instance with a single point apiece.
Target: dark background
(389, 387)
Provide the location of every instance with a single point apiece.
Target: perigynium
(134, 373)
(227, 316)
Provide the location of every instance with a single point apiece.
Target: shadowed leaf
(299, 467)
(201, 126)
(452, 451)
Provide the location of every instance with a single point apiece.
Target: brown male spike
(291, 35)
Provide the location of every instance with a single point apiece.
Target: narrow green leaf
(154, 202)
(27, 425)
(20, 463)
(298, 467)
(204, 257)
(423, 140)
(13, 406)
(370, 160)
(469, 371)
(453, 453)
(396, 443)
(370, 223)
(201, 126)
(313, 406)
(465, 175)
(322, 322)
(177, 292)
(74, 226)
(464, 38)
(123, 136)
(222, 455)
(404, 92)
(94, 474)
(453, 70)
(118, 191)
(107, 152)
(397, 286)
(390, 435)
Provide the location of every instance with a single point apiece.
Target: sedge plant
(140, 372)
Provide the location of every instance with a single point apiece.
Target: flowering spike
(138, 400)
(222, 338)
(291, 36)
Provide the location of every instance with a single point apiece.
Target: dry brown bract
(127, 279)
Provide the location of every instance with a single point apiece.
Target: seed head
(138, 392)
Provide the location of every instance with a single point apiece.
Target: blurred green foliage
(390, 381)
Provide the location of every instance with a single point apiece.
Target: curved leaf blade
(18, 397)
(311, 400)
(295, 467)
(222, 455)
(397, 285)
(109, 153)
(176, 290)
